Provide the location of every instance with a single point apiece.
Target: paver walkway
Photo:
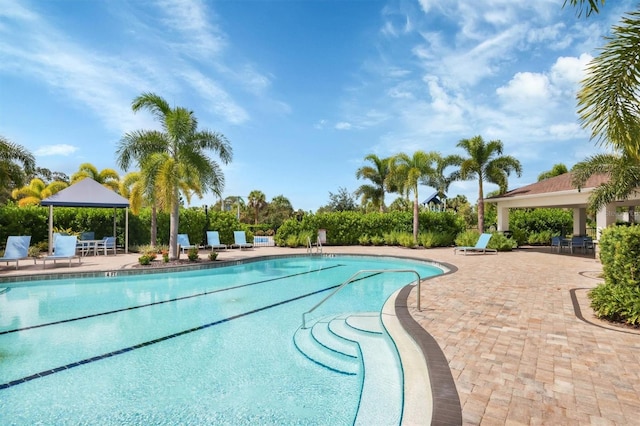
(507, 324)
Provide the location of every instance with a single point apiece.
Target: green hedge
(349, 228)
(525, 222)
(618, 299)
(34, 221)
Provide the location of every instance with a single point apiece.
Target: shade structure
(88, 193)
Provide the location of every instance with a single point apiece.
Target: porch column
(580, 221)
(606, 216)
(503, 218)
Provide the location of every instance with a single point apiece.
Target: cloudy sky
(303, 90)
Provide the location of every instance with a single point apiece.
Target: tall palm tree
(175, 159)
(16, 162)
(438, 180)
(407, 172)
(106, 177)
(377, 173)
(485, 162)
(256, 202)
(36, 191)
(624, 177)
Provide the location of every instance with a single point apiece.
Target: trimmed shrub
(618, 299)
(468, 238)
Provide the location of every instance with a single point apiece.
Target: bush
(436, 239)
(467, 238)
(540, 238)
(501, 243)
(145, 259)
(618, 299)
(213, 255)
(192, 254)
(377, 240)
(364, 240)
(406, 240)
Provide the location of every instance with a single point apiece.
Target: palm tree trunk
(480, 206)
(416, 219)
(174, 222)
(154, 225)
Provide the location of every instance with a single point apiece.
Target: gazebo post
(50, 229)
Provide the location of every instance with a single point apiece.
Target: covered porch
(558, 192)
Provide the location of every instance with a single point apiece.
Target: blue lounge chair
(17, 249)
(480, 247)
(64, 248)
(240, 239)
(183, 242)
(213, 241)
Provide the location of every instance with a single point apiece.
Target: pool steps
(357, 343)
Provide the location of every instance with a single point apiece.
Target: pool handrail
(352, 278)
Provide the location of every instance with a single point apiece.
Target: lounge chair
(64, 247)
(107, 243)
(213, 241)
(480, 247)
(240, 239)
(17, 249)
(183, 242)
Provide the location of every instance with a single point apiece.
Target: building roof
(555, 184)
(86, 193)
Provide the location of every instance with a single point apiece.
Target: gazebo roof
(554, 184)
(86, 193)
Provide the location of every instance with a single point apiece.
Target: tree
(556, 170)
(47, 176)
(36, 191)
(16, 162)
(608, 99)
(257, 201)
(438, 180)
(624, 178)
(585, 6)
(278, 210)
(485, 162)
(407, 172)
(341, 202)
(106, 177)
(175, 160)
(377, 173)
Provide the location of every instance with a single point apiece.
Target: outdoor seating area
(582, 243)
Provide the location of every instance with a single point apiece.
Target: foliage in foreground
(618, 299)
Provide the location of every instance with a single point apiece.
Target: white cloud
(526, 90)
(61, 149)
(218, 99)
(343, 125)
(567, 72)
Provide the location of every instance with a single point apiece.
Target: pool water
(212, 346)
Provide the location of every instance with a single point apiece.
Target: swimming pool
(215, 346)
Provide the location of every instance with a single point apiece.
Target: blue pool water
(212, 346)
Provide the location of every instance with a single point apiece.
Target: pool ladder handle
(352, 278)
(318, 245)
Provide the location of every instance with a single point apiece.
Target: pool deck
(516, 328)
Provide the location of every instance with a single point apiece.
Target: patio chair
(107, 243)
(17, 249)
(213, 241)
(480, 247)
(183, 242)
(64, 248)
(559, 242)
(240, 239)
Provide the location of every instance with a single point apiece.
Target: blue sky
(303, 90)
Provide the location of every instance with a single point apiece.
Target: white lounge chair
(240, 239)
(17, 249)
(107, 243)
(213, 241)
(183, 242)
(64, 248)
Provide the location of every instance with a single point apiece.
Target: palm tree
(377, 173)
(36, 191)
(256, 201)
(175, 159)
(407, 172)
(16, 162)
(485, 162)
(608, 99)
(106, 177)
(438, 180)
(556, 170)
(624, 178)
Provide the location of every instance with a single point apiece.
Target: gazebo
(559, 192)
(88, 193)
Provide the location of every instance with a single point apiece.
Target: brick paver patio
(516, 328)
